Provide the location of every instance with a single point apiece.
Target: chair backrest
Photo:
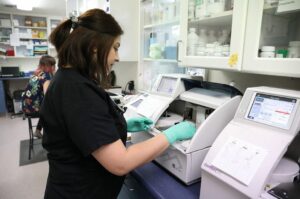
(17, 94)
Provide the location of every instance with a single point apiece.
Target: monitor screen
(167, 85)
(137, 103)
(272, 110)
(10, 70)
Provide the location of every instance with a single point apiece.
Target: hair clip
(74, 19)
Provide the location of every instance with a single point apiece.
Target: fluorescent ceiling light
(25, 5)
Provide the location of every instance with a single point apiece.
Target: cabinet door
(53, 22)
(159, 34)
(212, 33)
(5, 31)
(272, 41)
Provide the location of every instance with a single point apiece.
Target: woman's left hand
(137, 124)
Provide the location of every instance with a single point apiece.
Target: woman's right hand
(181, 131)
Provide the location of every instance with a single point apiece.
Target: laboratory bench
(161, 184)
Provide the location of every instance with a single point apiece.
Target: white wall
(25, 64)
(125, 71)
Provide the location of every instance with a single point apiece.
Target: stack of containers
(268, 51)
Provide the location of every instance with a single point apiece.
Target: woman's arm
(119, 160)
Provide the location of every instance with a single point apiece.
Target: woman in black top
(84, 132)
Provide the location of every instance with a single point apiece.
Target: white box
(5, 22)
(17, 106)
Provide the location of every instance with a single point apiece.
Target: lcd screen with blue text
(272, 110)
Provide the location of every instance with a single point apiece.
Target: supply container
(191, 10)
(171, 49)
(294, 49)
(215, 6)
(268, 52)
(200, 9)
(192, 41)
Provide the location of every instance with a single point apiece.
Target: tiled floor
(28, 182)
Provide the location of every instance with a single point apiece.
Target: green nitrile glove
(181, 131)
(138, 124)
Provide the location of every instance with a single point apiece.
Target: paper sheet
(240, 159)
(14, 39)
(149, 106)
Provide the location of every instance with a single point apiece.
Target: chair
(29, 116)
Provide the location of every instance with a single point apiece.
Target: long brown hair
(95, 30)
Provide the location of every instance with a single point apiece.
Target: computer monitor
(272, 110)
(10, 71)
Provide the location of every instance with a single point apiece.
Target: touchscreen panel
(167, 85)
(272, 110)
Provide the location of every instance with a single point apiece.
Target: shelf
(31, 27)
(5, 43)
(34, 38)
(169, 23)
(4, 37)
(272, 10)
(161, 60)
(219, 19)
(9, 27)
(19, 57)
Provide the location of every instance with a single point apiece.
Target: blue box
(171, 52)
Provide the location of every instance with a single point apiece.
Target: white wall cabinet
(280, 31)
(264, 36)
(219, 28)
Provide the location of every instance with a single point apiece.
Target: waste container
(17, 101)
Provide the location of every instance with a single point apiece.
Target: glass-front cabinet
(5, 31)
(159, 32)
(53, 22)
(212, 33)
(272, 41)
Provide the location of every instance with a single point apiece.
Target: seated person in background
(35, 90)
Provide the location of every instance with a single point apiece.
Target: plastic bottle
(201, 42)
(192, 41)
(191, 10)
(152, 39)
(211, 36)
(200, 9)
(202, 37)
(224, 37)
